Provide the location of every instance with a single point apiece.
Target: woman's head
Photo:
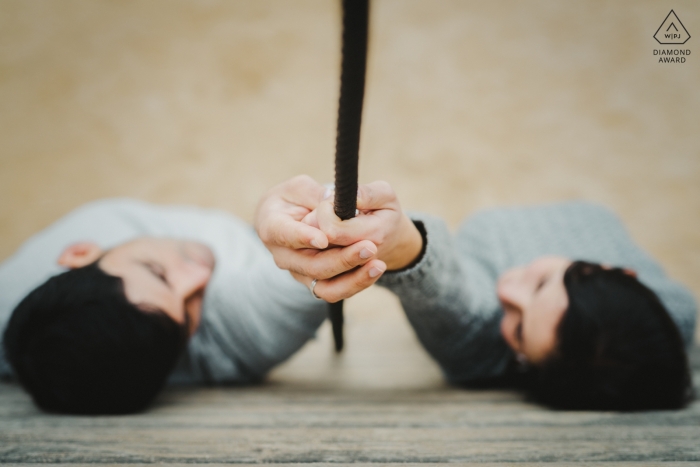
(534, 300)
(607, 341)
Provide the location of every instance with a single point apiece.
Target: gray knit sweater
(449, 296)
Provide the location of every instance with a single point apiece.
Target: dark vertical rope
(335, 314)
(352, 90)
(347, 143)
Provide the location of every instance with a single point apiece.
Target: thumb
(376, 195)
(325, 216)
(311, 219)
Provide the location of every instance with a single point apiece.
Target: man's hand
(302, 248)
(278, 215)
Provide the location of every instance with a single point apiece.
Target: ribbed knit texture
(450, 296)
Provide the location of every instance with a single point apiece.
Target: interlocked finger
(345, 285)
(324, 264)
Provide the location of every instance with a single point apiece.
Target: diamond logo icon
(672, 31)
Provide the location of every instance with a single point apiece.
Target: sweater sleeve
(450, 321)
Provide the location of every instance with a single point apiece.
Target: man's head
(596, 337)
(103, 336)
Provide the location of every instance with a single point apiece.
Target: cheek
(541, 327)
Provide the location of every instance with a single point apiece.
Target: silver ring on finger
(312, 286)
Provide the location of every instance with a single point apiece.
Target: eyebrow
(521, 334)
(150, 308)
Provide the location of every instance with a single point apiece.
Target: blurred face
(163, 274)
(534, 300)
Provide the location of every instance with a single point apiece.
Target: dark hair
(79, 346)
(618, 348)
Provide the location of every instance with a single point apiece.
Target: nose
(191, 278)
(509, 324)
(511, 290)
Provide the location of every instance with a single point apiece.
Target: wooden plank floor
(382, 402)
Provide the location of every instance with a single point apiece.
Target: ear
(79, 255)
(630, 272)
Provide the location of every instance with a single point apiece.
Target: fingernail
(374, 272)
(365, 253)
(315, 243)
(327, 194)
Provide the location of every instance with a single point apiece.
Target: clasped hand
(296, 222)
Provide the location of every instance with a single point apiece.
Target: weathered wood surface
(382, 402)
(277, 424)
(412, 464)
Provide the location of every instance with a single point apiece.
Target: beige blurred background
(469, 105)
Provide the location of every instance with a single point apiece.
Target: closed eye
(158, 271)
(542, 283)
